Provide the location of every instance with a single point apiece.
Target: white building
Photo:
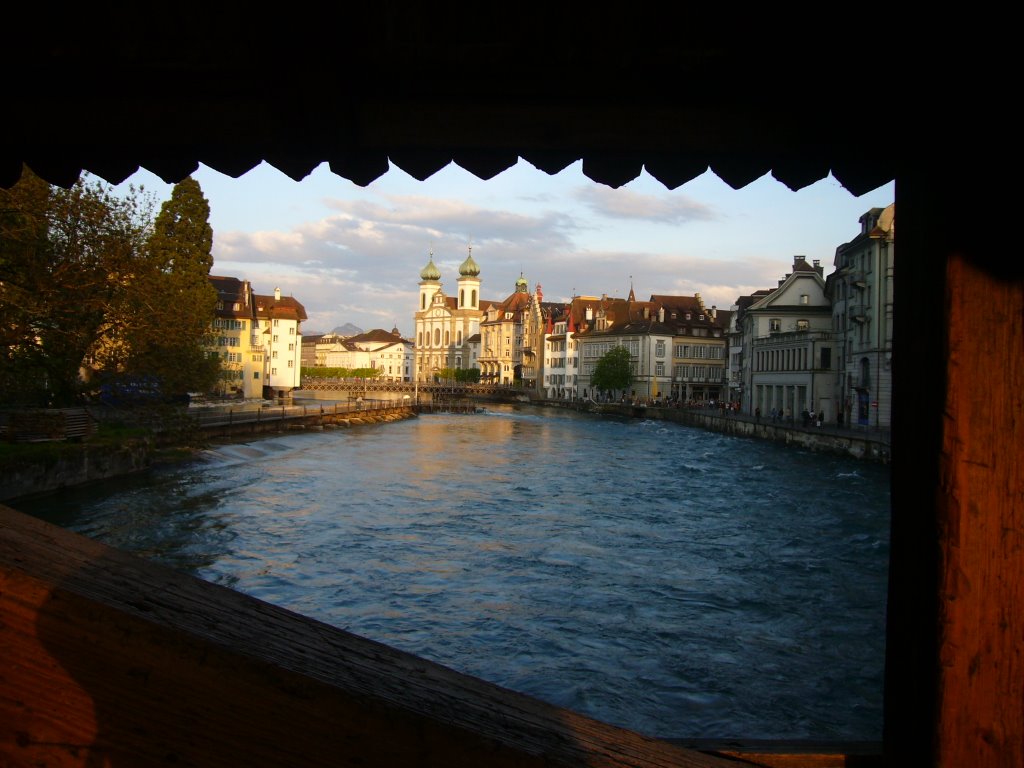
(278, 322)
(385, 351)
(445, 325)
(788, 332)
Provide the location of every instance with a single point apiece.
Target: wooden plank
(981, 522)
(109, 659)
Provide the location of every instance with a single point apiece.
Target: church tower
(469, 283)
(430, 283)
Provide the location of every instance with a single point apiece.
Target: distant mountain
(347, 330)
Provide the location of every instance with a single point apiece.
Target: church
(447, 331)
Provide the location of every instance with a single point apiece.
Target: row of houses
(810, 343)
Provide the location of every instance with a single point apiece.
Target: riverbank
(35, 468)
(860, 444)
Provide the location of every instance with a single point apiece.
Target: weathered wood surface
(980, 720)
(106, 659)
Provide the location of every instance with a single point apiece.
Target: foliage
(91, 291)
(612, 371)
(163, 326)
(323, 372)
(65, 255)
(467, 375)
(461, 375)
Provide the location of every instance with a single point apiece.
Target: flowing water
(677, 582)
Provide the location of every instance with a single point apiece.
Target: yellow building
(234, 340)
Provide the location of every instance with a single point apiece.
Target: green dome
(430, 272)
(522, 286)
(469, 268)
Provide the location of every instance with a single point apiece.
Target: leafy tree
(467, 375)
(64, 256)
(90, 286)
(612, 371)
(163, 325)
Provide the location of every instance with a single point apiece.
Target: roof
(231, 291)
(377, 335)
(549, 85)
(285, 308)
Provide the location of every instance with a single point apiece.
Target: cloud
(361, 262)
(674, 209)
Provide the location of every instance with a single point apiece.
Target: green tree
(612, 371)
(164, 323)
(64, 254)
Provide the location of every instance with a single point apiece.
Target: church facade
(447, 327)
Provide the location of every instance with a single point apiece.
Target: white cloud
(668, 208)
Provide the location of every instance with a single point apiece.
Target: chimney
(818, 268)
(714, 312)
(277, 294)
(590, 313)
(647, 313)
(661, 314)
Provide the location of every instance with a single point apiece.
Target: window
(458, 338)
(291, 331)
(659, 369)
(802, 325)
(236, 306)
(826, 358)
(291, 363)
(659, 349)
(274, 354)
(273, 371)
(473, 294)
(275, 322)
(437, 337)
(804, 298)
(774, 325)
(423, 301)
(275, 339)
(291, 347)
(255, 374)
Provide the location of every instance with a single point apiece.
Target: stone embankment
(860, 444)
(76, 464)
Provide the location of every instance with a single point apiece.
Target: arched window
(473, 297)
(423, 301)
(458, 338)
(462, 297)
(437, 337)
(447, 338)
(421, 340)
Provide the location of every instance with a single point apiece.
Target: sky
(353, 254)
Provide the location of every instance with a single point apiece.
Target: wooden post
(955, 636)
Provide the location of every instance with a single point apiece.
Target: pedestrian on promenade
(757, 415)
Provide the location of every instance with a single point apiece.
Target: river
(670, 580)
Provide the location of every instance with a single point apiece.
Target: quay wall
(84, 464)
(71, 465)
(859, 445)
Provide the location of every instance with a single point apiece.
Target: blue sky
(353, 254)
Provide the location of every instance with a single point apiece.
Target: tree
(92, 288)
(63, 257)
(612, 371)
(164, 326)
